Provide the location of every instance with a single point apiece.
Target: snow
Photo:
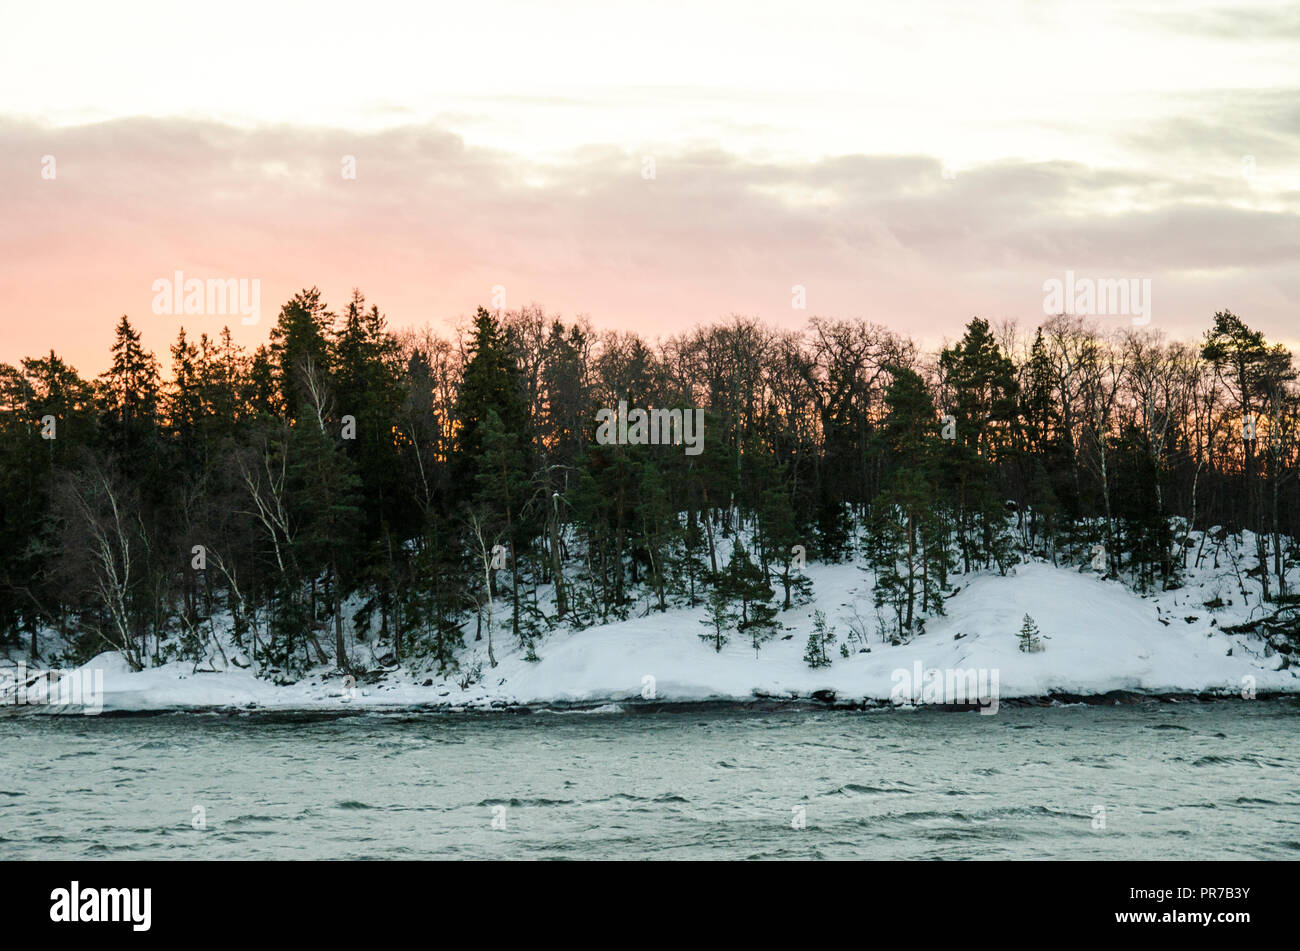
(1098, 636)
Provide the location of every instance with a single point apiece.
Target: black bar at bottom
(365, 901)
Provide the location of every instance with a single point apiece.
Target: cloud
(1238, 22)
(430, 225)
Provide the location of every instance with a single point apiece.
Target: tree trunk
(340, 649)
(561, 596)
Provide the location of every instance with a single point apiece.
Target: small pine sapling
(821, 637)
(1030, 641)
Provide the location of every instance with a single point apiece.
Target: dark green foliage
(1028, 638)
(820, 638)
(348, 484)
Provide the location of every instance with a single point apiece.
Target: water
(1186, 781)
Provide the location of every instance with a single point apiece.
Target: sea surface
(1151, 780)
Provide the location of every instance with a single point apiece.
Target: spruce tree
(130, 397)
(781, 532)
(721, 615)
(657, 526)
(907, 537)
(749, 586)
(491, 383)
(300, 349)
(985, 409)
(1029, 636)
(501, 488)
(687, 561)
(326, 500)
(821, 637)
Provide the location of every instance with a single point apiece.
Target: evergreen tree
(263, 394)
(1250, 369)
(657, 527)
(502, 486)
(748, 585)
(722, 616)
(821, 637)
(432, 597)
(368, 389)
(185, 410)
(299, 351)
(326, 503)
(491, 384)
(984, 392)
(45, 398)
(886, 553)
(687, 561)
(1029, 636)
(780, 533)
(129, 398)
(907, 538)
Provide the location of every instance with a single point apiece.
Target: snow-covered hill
(1099, 637)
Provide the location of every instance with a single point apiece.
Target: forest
(345, 482)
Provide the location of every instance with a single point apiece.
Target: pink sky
(952, 186)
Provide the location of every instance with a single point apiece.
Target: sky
(651, 166)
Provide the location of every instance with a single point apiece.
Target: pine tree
(45, 390)
(1029, 636)
(185, 404)
(299, 349)
(907, 537)
(262, 395)
(326, 497)
(986, 407)
(368, 388)
(687, 562)
(657, 526)
(749, 586)
(1250, 369)
(432, 599)
(129, 396)
(1038, 406)
(721, 616)
(502, 486)
(821, 637)
(491, 383)
(886, 556)
(780, 532)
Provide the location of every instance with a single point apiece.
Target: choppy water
(1176, 780)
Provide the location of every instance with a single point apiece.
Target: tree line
(346, 482)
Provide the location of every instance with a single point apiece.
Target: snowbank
(1099, 637)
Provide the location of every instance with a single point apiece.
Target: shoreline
(1123, 649)
(635, 706)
